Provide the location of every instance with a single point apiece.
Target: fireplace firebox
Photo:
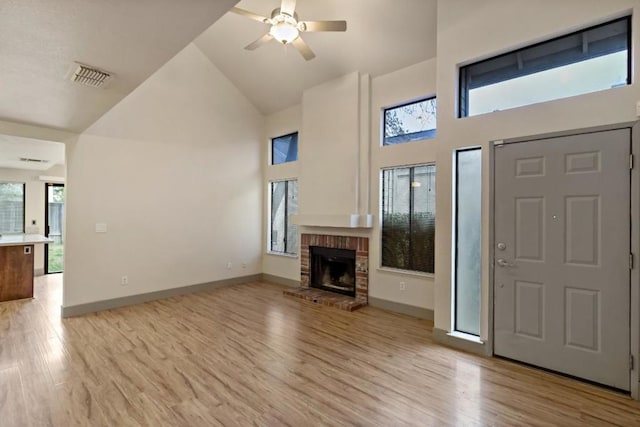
(333, 269)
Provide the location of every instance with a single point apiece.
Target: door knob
(504, 263)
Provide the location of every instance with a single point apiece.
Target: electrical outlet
(403, 286)
(229, 265)
(124, 281)
(244, 265)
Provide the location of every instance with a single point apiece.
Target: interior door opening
(54, 222)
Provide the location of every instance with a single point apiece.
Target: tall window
(284, 149)
(11, 207)
(468, 216)
(409, 218)
(284, 204)
(590, 60)
(410, 122)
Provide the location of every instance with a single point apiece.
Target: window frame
(463, 90)
(271, 144)
(404, 104)
(24, 207)
(411, 205)
(270, 249)
(455, 245)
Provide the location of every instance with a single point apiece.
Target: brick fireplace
(360, 245)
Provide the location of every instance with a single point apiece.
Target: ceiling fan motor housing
(276, 12)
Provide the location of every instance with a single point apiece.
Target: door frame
(634, 288)
(46, 223)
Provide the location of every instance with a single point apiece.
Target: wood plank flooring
(247, 355)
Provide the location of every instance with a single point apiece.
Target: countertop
(22, 239)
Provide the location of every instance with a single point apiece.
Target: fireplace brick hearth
(358, 244)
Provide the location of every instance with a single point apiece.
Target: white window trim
(268, 250)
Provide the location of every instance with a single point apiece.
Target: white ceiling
(381, 36)
(41, 39)
(12, 148)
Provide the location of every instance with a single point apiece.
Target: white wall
(484, 29)
(174, 171)
(407, 84)
(469, 31)
(281, 123)
(329, 157)
(188, 135)
(34, 202)
(329, 165)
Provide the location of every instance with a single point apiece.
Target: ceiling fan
(286, 28)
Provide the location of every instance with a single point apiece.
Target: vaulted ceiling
(41, 41)
(381, 36)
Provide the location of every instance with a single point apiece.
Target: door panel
(582, 230)
(529, 309)
(562, 278)
(582, 318)
(529, 228)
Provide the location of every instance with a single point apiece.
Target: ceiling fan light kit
(286, 29)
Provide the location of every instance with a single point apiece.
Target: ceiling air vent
(29, 160)
(90, 76)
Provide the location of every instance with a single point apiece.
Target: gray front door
(562, 255)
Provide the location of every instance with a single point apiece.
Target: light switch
(101, 227)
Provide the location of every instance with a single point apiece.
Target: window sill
(283, 163)
(406, 272)
(282, 254)
(467, 337)
(396, 144)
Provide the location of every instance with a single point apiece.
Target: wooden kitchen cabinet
(16, 272)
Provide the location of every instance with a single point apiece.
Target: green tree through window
(11, 207)
(408, 218)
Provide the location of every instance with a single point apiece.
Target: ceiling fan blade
(256, 44)
(325, 25)
(249, 15)
(303, 48)
(288, 7)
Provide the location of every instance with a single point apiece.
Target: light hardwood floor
(246, 355)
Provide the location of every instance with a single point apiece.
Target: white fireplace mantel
(337, 221)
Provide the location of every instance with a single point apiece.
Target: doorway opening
(54, 223)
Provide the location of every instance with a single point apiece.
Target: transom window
(590, 60)
(284, 149)
(11, 207)
(284, 204)
(410, 122)
(409, 218)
